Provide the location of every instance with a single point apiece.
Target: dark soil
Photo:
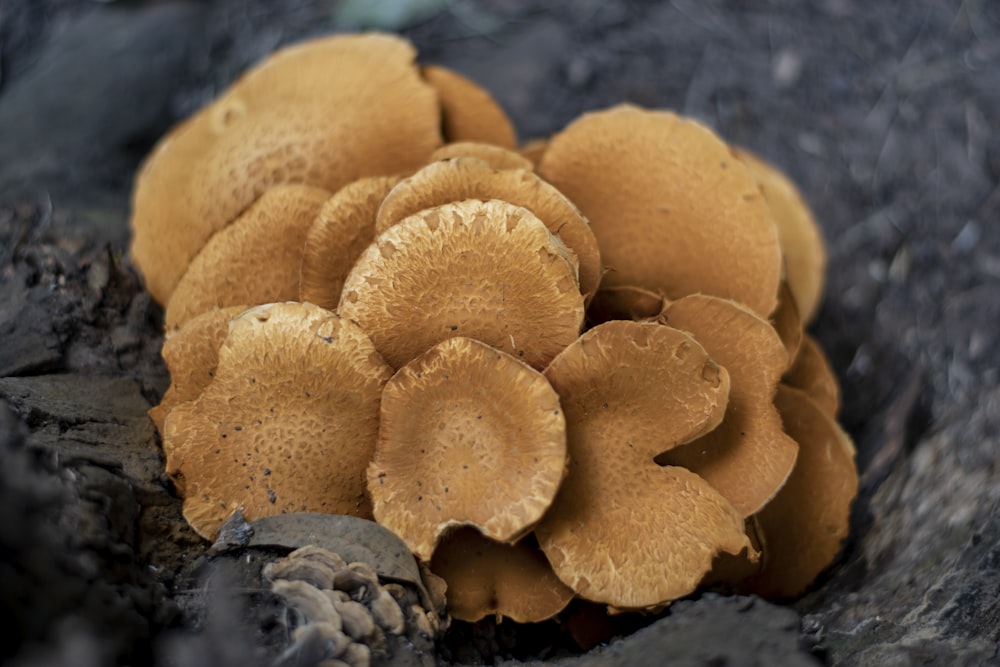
(886, 114)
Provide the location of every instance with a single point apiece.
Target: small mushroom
(343, 228)
(673, 210)
(323, 112)
(806, 522)
(535, 149)
(497, 157)
(786, 321)
(623, 530)
(308, 601)
(490, 578)
(800, 237)
(254, 260)
(287, 424)
(748, 457)
(625, 302)
(469, 436)
(191, 354)
(484, 270)
(468, 178)
(468, 112)
(811, 372)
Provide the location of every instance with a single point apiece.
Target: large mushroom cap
(748, 457)
(324, 112)
(469, 436)
(468, 112)
(623, 530)
(252, 261)
(288, 424)
(343, 228)
(673, 210)
(800, 236)
(806, 522)
(490, 578)
(468, 178)
(484, 270)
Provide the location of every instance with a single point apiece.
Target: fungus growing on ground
(471, 436)
(324, 112)
(287, 424)
(253, 261)
(623, 530)
(484, 270)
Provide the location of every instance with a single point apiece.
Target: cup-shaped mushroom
(254, 260)
(342, 230)
(497, 157)
(672, 209)
(469, 178)
(469, 435)
(288, 423)
(490, 578)
(748, 457)
(485, 270)
(811, 372)
(191, 354)
(623, 530)
(469, 112)
(805, 524)
(324, 112)
(799, 235)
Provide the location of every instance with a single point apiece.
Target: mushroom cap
(343, 228)
(805, 524)
(288, 423)
(468, 111)
(252, 261)
(485, 270)
(535, 149)
(468, 178)
(490, 578)
(748, 457)
(673, 211)
(191, 354)
(786, 321)
(623, 530)
(469, 436)
(324, 112)
(497, 157)
(624, 303)
(812, 373)
(800, 236)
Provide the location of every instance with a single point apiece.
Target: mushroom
(497, 157)
(623, 530)
(490, 578)
(324, 112)
(625, 303)
(785, 320)
(485, 270)
(287, 424)
(191, 354)
(254, 260)
(535, 149)
(468, 112)
(469, 436)
(468, 178)
(805, 524)
(811, 372)
(344, 227)
(673, 210)
(748, 457)
(800, 237)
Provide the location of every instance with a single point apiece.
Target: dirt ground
(886, 114)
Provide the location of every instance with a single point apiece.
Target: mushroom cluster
(577, 369)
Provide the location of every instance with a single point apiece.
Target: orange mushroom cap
(342, 230)
(254, 260)
(324, 112)
(490, 578)
(624, 303)
(786, 321)
(469, 112)
(673, 211)
(288, 423)
(535, 149)
(811, 372)
(468, 178)
(748, 457)
(497, 157)
(469, 436)
(485, 270)
(623, 530)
